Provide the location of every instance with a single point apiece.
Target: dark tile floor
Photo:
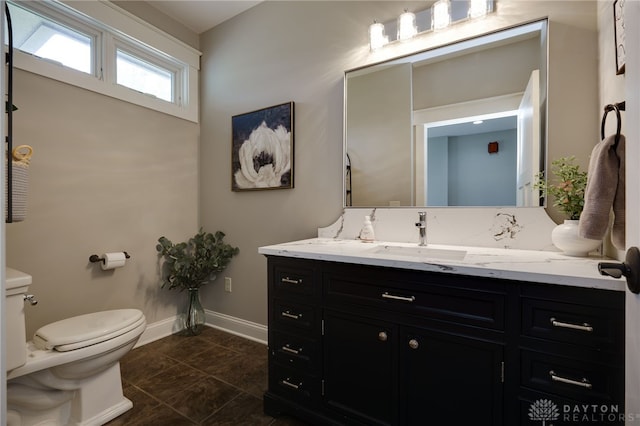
(215, 378)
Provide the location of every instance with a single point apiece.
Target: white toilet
(69, 374)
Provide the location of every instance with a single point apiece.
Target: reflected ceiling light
(377, 37)
(407, 25)
(441, 13)
(478, 122)
(478, 8)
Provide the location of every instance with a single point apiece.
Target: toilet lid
(89, 329)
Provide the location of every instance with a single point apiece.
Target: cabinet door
(448, 379)
(360, 369)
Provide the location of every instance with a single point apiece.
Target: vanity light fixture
(478, 8)
(377, 37)
(407, 25)
(441, 13)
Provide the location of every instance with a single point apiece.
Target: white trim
(496, 105)
(159, 329)
(129, 25)
(118, 27)
(631, 81)
(238, 326)
(3, 190)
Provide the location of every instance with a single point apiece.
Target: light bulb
(407, 26)
(377, 38)
(478, 8)
(441, 13)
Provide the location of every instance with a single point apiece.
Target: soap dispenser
(366, 234)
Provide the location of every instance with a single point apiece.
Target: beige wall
(282, 51)
(612, 86)
(106, 176)
(110, 176)
(494, 72)
(380, 132)
(150, 14)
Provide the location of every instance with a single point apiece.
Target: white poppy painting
(262, 149)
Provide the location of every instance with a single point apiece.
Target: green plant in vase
(568, 191)
(568, 187)
(191, 264)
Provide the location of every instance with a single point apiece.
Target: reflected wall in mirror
(409, 137)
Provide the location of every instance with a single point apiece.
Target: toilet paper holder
(95, 258)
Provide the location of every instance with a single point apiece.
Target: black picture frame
(619, 34)
(262, 151)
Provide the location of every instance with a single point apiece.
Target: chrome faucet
(422, 226)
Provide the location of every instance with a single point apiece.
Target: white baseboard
(158, 330)
(238, 326)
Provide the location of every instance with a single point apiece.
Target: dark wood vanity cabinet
(364, 345)
(571, 351)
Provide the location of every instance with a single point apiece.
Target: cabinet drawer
(293, 384)
(590, 326)
(572, 378)
(295, 351)
(293, 316)
(448, 303)
(293, 279)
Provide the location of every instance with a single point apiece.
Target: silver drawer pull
(288, 280)
(291, 351)
(386, 295)
(286, 382)
(583, 384)
(287, 314)
(583, 327)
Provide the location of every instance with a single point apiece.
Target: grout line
(161, 402)
(222, 406)
(233, 347)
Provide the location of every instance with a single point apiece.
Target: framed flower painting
(619, 34)
(262, 149)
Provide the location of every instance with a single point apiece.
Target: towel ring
(617, 108)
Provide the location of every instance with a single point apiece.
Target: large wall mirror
(459, 125)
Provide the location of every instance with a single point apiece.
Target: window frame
(138, 56)
(167, 64)
(113, 28)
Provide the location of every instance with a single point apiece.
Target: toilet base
(107, 415)
(93, 401)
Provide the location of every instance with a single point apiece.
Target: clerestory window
(58, 40)
(144, 76)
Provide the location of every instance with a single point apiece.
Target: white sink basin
(421, 252)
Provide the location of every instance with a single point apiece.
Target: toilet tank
(16, 286)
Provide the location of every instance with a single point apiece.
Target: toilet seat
(86, 330)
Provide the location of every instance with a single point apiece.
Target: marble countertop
(512, 264)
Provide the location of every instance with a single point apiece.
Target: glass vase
(194, 320)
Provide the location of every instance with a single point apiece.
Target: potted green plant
(567, 189)
(191, 264)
